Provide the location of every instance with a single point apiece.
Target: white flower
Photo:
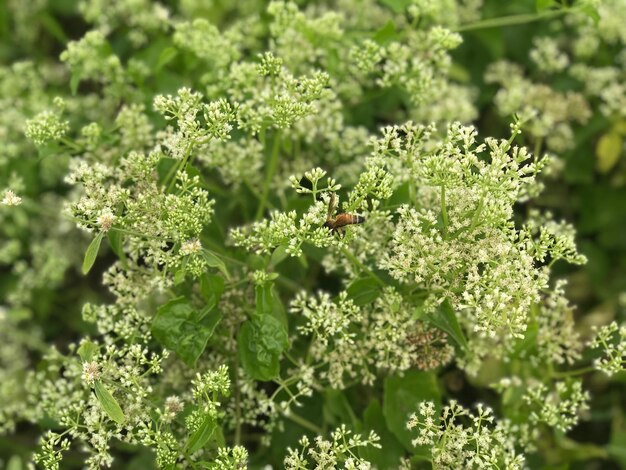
(11, 199)
(190, 247)
(91, 372)
(105, 219)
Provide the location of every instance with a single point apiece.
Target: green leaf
(268, 303)
(401, 398)
(445, 319)
(210, 318)
(261, 341)
(608, 151)
(588, 8)
(386, 34)
(92, 252)
(116, 241)
(398, 6)
(167, 55)
(109, 404)
(211, 287)
(213, 261)
(388, 456)
(617, 447)
(87, 351)
(75, 79)
(53, 27)
(179, 277)
(363, 291)
(541, 5)
(279, 254)
(15, 463)
(620, 127)
(182, 329)
(337, 409)
(201, 435)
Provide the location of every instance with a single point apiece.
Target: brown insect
(337, 223)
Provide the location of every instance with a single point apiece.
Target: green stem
(510, 20)
(305, 423)
(71, 144)
(176, 168)
(271, 169)
(444, 212)
(476, 215)
(354, 260)
(537, 151)
(572, 373)
(237, 403)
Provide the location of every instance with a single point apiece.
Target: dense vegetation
(335, 234)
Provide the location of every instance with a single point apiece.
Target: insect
(336, 224)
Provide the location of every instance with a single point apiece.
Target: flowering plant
(287, 235)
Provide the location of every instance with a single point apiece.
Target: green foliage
(92, 252)
(108, 403)
(184, 330)
(361, 234)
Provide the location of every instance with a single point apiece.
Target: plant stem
(444, 212)
(271, 169)
(180, 166)
(237, 403)
(510, 20)
(572, 373)
(354, 260)
(304, 423)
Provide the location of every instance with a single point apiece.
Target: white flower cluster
(341, 450)
(461, 243)
(481, 443)
(558, 342)
(91, 58)
(350, 342)
(10, 198)
(611, 340)
(47, 126)
(184, 109)
(549, 114)
(559, 407)
(141, 17)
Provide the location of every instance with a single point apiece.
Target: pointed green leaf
(53, 27)
(279, 254)
(445, 319)
(201, 435)
(211, 287)
(388, 456)
(116, 241)
(588, 8)
(268, 303)
(179, 277)
(337, 408)
(215, 262)
(398, 6)
(386, 34)
(402, 396)
(364, 291)
(541, 5)
(109, 404)
(92, 252)
(74, 81)
(608, 151)
(87, 351)
(167, 55)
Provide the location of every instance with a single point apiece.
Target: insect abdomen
(348, 219)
